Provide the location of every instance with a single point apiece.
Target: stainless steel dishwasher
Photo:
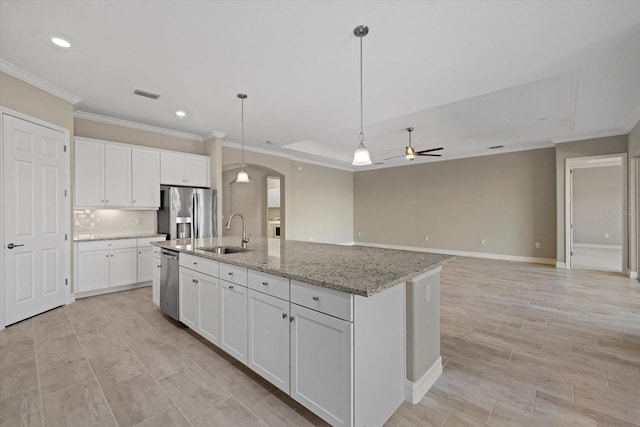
(169, 283)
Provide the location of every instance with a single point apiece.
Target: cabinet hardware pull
(11, 246)
(107, 255)
(193, 280)
(316, 298)
(230, 273)
(284, 315)
(111, 255)
(197, 281)
(230, 287)
(158, 266)
(265, 283)
(195, 263)
(139, 252)
(291, 319)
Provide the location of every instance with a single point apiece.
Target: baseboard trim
(415, 391)
(593, 246)
(485, 255)
(110, 290)
(633, 274)
(561, 264)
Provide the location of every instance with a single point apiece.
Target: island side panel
(379, 355)
(423, 364)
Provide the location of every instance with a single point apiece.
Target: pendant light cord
(242, 123)
(361, 103)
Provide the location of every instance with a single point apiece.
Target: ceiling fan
(410, 153)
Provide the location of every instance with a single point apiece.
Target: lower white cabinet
(123, 267)
(145, 264)
(233, 320)
(155, 284)
(93, 270)
(268, 338)
(209, 308)
(322, 364)
(188, 298)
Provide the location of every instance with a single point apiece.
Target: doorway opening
(596, 213)
(261, 201)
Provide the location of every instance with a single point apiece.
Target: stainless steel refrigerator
(187, 212)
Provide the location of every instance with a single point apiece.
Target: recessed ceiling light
(60, 42)
(180, 113)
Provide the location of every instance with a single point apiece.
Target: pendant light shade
(361, 156)
(242, 175)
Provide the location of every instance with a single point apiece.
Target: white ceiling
(465, 75)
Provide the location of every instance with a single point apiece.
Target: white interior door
(35, 251)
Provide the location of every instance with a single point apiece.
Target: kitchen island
(349, 332)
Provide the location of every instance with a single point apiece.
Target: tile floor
(522, 344)
(601, 259)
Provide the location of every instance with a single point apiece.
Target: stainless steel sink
(222, 250)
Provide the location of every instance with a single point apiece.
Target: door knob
(11, 246)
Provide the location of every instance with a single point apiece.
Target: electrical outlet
(359, 233)
(483, 241)
(310, 237)
(606, 235)
(427, 296)
(537, 245)
(426, 238)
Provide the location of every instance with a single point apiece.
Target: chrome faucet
(245, 239)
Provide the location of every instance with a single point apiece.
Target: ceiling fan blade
(426, 154)
(430, 150)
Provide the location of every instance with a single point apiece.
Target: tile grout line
(493, 407)
(35, 351)
(95, 377)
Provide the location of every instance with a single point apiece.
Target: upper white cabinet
(145, 178)
(184, 169)
(89, 173)
(117, 175)
(273, 198)
(110, 174)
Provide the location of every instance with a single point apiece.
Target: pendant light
(409, 152)
(361, 155)
(242, 175)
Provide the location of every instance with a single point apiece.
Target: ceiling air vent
(146, 94)
(495, 147)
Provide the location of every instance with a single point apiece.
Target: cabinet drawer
(102, 245)
(205, 266)
(269, 284)
(146, 241)
(233, 273)
(329, 301)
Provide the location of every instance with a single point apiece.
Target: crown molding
(215, 134)
(33, 80)
(135, 125)
(288, 156)
(592, 135)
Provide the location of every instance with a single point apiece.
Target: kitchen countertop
(95, 238)
(360, 270)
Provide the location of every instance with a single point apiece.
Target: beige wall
(318, 200)
(567, 150)
(98, 130)
(597, 205)
(507, 199)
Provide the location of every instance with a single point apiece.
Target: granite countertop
(98, 237)
(360, 270)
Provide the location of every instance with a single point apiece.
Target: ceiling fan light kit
(361, 156)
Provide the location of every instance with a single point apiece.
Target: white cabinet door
(93, 271)
(155, 285)
(145, 264)
(117, 175)
(233, 320)
(89, 173)
(172, 169)
(188, 298)
(145, 178)
(196, 171)
(322, 365)
(123, 268)
(209, 308)
(268, 338)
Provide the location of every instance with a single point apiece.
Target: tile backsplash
(112, 222)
